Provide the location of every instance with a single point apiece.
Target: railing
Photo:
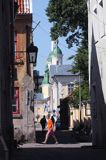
(24, 6)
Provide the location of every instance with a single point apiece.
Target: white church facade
(57, 82)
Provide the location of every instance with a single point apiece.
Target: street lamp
(80, 94)
(32, 53)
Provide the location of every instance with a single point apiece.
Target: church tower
(57, 56)
(45, 83)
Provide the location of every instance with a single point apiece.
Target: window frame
(16, 96)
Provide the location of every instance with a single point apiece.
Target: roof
(40, 99)
(57, 51)
(46, 68)
(62, 70)
(49, 59)
(46, 75)
(45, 79)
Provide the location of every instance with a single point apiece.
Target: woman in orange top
(50, 131)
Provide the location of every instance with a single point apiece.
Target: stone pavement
(78, 151)
(68, 144)
(53, 145)
(70, 147)
(63, 136)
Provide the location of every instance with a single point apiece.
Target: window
(70, 88)
(15, 101)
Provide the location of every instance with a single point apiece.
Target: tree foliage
(80, 62)
(74, 99)
(69, 19)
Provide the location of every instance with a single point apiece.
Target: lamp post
(80, 94)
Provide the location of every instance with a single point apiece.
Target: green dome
(57, 51)
(45, 79)
(49, 59)
(46, 75)
(46, 68)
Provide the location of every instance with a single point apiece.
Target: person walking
(43, 122)
(50, 131)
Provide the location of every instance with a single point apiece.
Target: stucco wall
(97, 72)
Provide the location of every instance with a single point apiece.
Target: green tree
(74, 99)
(80, 62)
(69, 18)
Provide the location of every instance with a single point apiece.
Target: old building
(6, 76)
(23, 117)
(97, 71)
(57, 78)
(61, 80)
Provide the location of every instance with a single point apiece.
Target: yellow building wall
(45, 90)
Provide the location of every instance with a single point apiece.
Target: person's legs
(46, 138)
(50, 133)
(55, 138)
(53, 135)
(43, 128)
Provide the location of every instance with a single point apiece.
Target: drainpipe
(80, 95)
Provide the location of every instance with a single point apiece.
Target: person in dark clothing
(54, 124)
(53, 120)
(43, 122)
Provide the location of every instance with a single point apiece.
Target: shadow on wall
(64, 114)
(83, 127)
(98, 106)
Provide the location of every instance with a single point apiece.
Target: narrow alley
(69, 147)
(52, 152)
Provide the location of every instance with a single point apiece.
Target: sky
(41, 36)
